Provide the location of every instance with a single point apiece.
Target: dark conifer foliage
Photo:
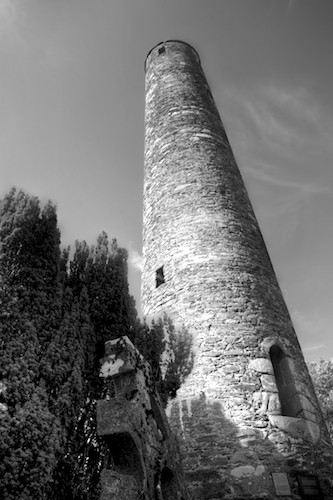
(30, 435)
(56, 313)
(98, 273)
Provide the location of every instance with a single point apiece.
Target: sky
(72, 123)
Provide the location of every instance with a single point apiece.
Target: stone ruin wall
(143, 460)
(206, 265)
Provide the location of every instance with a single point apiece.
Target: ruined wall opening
(168, 484)
(165, 485)
(159, 276)
(123, 455)
(283, 370)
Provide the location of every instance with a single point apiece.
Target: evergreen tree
(29, 297)
(56, 314)
(99, 274)
(322, 377)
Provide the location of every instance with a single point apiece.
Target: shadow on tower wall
(238, 451)
(224, 460)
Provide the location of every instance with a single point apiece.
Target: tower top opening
(158, 45)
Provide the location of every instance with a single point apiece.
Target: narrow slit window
(161, 50)
(159, 277)
(290, 402)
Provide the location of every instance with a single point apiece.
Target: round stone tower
(247, 417)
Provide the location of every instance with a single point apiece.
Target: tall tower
(247, 417)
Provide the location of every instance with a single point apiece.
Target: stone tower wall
(206, 265)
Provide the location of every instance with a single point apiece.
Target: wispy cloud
(282, 115)
(312, 348)
(10, 34)
(8, 13)
(277, 127)
(282, 141)
(268, 124)
(266, 173)
(290, 6)
(135, 259)
(298, 100)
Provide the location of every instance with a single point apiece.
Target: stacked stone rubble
(248, 409)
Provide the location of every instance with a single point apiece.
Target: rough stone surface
(115, 486)
(297, 427)
(199, 228)
(268, 383)
(243, 470)
(261, 365)
(143, 458)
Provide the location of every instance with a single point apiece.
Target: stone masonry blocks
(200, 232)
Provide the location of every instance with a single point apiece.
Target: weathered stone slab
(261, 365)
(268, 383)
(260, 470)
(243, 470)
(122, 357)
(296, 427)
(274, 405)
(113, 416)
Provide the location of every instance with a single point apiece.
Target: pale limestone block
(296, 427)
(260, 470)
(268, 383)
(257, 399)
(261, 365)
(246, 432)
(243, 470)
(231, 368)
(264, 404)
(111, 367)
(121, 357)
(274, 405)
(277, 437)
(3, 407)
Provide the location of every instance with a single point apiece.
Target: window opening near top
(159, 277)
(161, 50)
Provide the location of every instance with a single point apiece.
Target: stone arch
(124, 456)
(284, 371)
